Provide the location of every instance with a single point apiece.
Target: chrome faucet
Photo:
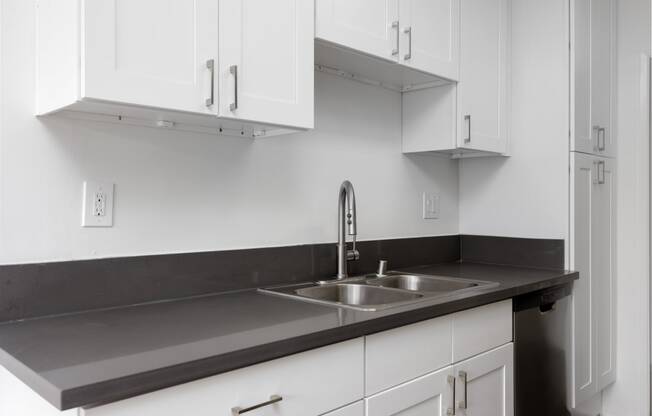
(346, 218)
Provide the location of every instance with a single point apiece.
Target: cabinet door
(604, 271)
(355, 409)
(368, 26)
(266, 69)
(593, 61)
(485, 384)
(583, 189)
(483, 87)
(430, 395)
(149, 52)
(429, 36)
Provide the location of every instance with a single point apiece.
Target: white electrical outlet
(430, 206)
(97, 210)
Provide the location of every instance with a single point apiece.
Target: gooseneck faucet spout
(346, 220)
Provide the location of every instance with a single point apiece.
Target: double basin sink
(373, 293)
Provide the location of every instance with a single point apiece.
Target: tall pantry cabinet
(593, 197)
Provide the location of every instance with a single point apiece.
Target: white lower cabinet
(309, 384)
(355, 409)
(485, 384)
(437, 367)
(430, 395)
(593, 254)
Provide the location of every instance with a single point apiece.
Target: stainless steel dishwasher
(541, 338)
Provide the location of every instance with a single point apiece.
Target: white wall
(179, 192)
(526, 195)
(631, 393)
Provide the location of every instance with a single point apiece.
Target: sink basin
(371, 293)
(366, 297)
(418, 283)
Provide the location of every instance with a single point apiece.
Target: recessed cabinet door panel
(429, 36)
(355, 409)
(485, 384)
(583, 127)
(149, 52)
(430, 395)
(584, 186)
(363, 25)
(593, 70)
(601, 81)
(266, 70)
(603, 244)
(482, 90)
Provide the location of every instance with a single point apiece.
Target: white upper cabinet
(266, 71)
(368, 26)
(483, 87)
(471, 117)
(149, 52)
(245, 66)
(372, 36)
(593, 55)
(429, 36)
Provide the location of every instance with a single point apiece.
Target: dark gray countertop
(106, 355)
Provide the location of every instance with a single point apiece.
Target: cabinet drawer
(402, 354)
(310, 384)
(355, 409)
(481, 329)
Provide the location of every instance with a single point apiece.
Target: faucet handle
(382, 268)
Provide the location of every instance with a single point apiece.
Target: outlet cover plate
(97, 207)
(430, 206)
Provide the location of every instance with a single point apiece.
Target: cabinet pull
(210, 65)
(462, 404)
(601, 178)
(451, 410)
(398, 37)
(408, 31)
(233, 69)
(467, 124)
(240, 410)
(602, 132)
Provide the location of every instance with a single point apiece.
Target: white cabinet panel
(485, 384)
(368, 26)
(149, 52)
(593, 255)
(311, 383)
(355, 409)
(604, 245)
(593, 55)
(430, 395)
(481, 329)
(429, 36)
(266, 68)
(582, 189)
(429, 349)
(483, 86)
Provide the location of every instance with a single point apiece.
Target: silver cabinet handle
(408, 31)
(463, 376)
(451, 410)
(602, 133)
(210, 65)
(398, 37)
(240, 410)
(601, 177)
(467, 123)
(233, 69)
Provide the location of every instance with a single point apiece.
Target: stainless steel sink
(421, 283)
(359, 295)
(372, 293)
